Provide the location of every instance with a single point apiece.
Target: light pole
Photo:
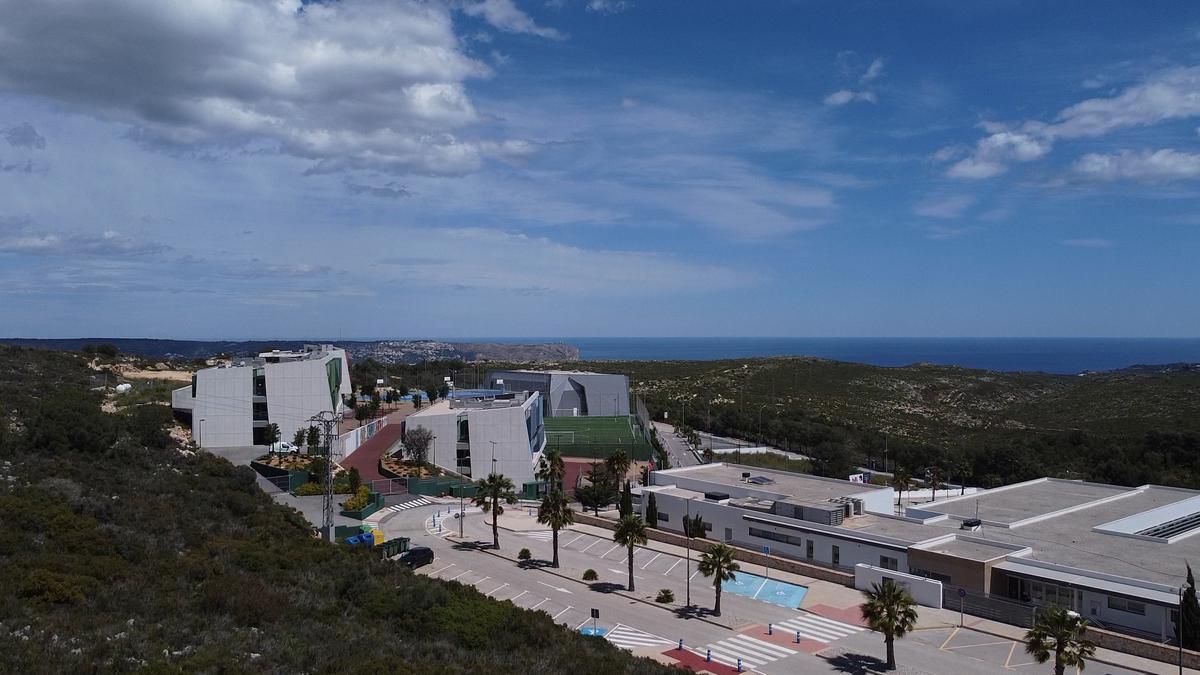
(493, 456)
(760, 412)
(200, 441)
(1179, 637)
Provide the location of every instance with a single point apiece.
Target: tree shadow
(606, 587)
(859, 664)
(535, 564)
(472, 545)
(693, 612)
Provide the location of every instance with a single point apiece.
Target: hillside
(122, 552)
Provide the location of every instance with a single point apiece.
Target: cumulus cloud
(1165, 164)
(944, 207)
(389, 190)
(506, 16)
(844, 96)
(24, 135)
(351, 84)
(873, 71)
(608, 6)
(1166, 95)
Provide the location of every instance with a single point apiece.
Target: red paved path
(366, 458)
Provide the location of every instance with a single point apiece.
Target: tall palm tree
(618, 465)
(718, 562)
(555, 511)
(489, 492)
(901, 480)
(630, 533)
(890, 610)
(551, 469)
(1059, 633)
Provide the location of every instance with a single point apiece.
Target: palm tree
(618, 464)
(630, 532)
(1059, 633)
(551, 469)
(489, 492)
(717, 562)
(901, 480)
(556, 512)
(890, 610)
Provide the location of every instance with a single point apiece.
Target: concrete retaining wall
(743, 555)
(1144, 648)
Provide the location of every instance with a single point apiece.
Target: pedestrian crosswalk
(541, 535)
(753, 652)
(632, 638)
(813, 627)
(419, 501)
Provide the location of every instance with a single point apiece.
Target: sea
(1048, 355)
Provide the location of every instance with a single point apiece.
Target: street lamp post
(493, 456)
(760, 412)
(200, 441)
(1179, 637)
(687, 566)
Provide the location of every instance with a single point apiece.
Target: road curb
(550, 570)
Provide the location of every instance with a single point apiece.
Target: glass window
(1130, 606)
(808, 549)
(888, 563)
(1037, 592)
(662, 517)
(837, 556)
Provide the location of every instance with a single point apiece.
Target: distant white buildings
(232, 405)
(478, 434)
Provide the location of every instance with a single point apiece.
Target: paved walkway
(366, 457)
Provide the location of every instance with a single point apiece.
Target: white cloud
(608, 6)
(1165, 164)
(844, 96)
(506, 16)
(352, 84)
(1087, 243)
(944, 207)
(873, 71)
(1170, 94)
(24, 238)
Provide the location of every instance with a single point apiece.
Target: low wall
(742, 554)
(352, 440)
(927, 592)
(375, 503)
(1144, 648)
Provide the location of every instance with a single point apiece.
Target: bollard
(797, 637)
(681, 643)
(439, 527)
(770, 630)
(708, 656)
(739, 664)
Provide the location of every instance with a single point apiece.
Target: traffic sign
(962, 592)
(595, 613)
(767, 550)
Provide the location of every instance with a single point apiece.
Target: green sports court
(597, 436)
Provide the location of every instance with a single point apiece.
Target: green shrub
(359, 501)
(309, 490)
(524, 554)
(665, 595)
(590, 575)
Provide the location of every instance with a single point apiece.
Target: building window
(728, 534)
(808, 549)
(260, 411)
(1130, 606)
(193, 386)
(837, 556)
(464, 431)
(260, 382)
(889, 563)
(776, 536)
(944, 578)
(662, 517)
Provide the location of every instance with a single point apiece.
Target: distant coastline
(1050, 355)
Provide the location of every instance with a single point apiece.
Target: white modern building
(231, 405)
(568, 393)
(1116, 555)
(476, 435)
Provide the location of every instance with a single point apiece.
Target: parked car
(283, 448)
(417, 556)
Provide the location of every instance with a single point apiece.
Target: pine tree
(651, 511)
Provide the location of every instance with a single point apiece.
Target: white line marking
(555, 617)
(764, 585)
(514, 598)
(671, 567)
(458, 575)
(436, 572)
(496, 589)
(625, 572)
(574, 540)
(581, 624)
(609, 550)
(585, 548)
(656, 556)
(693, 575)
(540, 604)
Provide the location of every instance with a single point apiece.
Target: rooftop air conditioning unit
(972, 524)
(745, 476)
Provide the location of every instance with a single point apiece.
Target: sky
(235, 169)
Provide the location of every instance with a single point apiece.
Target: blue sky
(238, 169)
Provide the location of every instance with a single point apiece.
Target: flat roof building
(568, 392)
(472, 431)
(232, 405)
(1114, 554)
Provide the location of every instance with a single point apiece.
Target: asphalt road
(675, 446)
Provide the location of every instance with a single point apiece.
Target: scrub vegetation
(123, 552)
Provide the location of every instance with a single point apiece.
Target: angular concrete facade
(569, 392)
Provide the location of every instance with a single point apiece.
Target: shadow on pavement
(848, 662)
(606, 587)
(693, 612)
(472, 545)
(534, 564)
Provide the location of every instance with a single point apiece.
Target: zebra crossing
(541, 535)
(631, 638)
(818, 628)
(419, 501)
(753, 652)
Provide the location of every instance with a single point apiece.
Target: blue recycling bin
(353, 539)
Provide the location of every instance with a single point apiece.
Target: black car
(417, 556)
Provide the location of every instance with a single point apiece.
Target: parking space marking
(609, 550)
(585, 548)
(555, 617)
(544, 601)
(1010, 653)
(496, 589)
(693, 575)
(453, 578)
(479, 581)
(439, 571)
(656, 556)
(625, 572)
(581, 623)
(514, 598)
(672, 567)
(951, 637)
(574, 540)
